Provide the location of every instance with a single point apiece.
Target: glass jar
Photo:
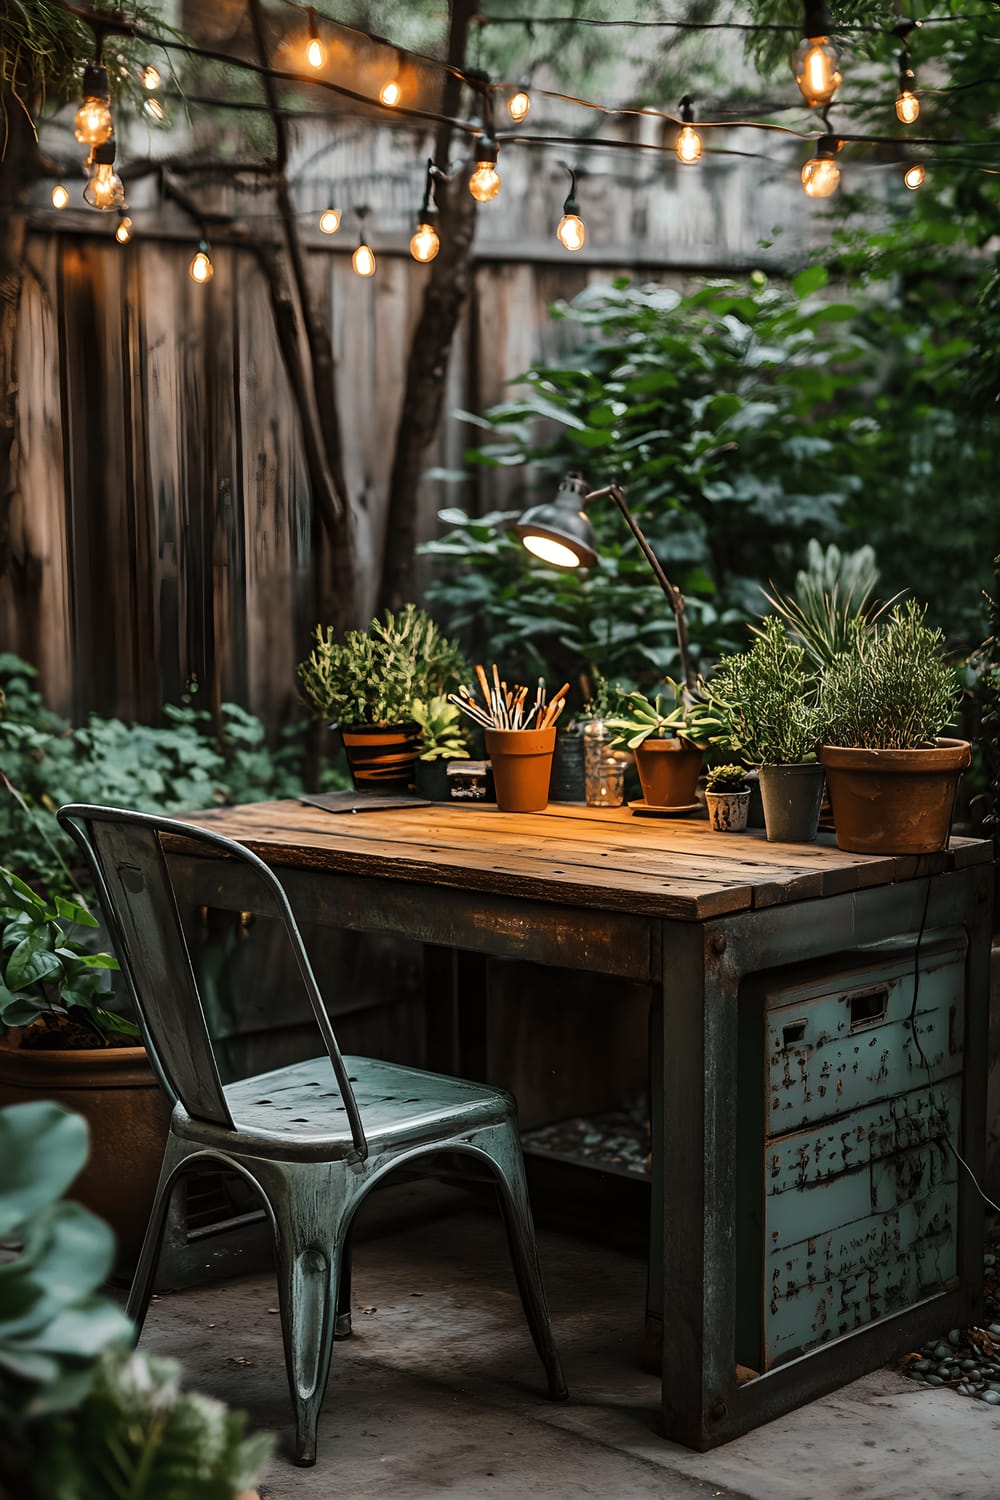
(603, 767)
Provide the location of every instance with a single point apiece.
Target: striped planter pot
(381, 757)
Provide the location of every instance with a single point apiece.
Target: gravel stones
(967, 1360)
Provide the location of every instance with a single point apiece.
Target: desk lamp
(560, 533)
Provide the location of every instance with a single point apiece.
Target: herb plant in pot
(367, 684)
(666, 736)
(442, 739)
(727, 798)
(768, 699)
(65, 1042)
(892, 778)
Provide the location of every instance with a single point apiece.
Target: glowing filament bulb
(572, 232)
(105, 189)
(915, 175)
(329, 220)
(93, 124)
(484, 184)
(518, 105)
(689, 145)
(201, 268)
(150, 77)
(363, 260)
(153, 110)
(315, 53)
(60, 197)
(907, 106)
(390, 93)
(124, 231)
(816, 70)
(425, 244)
(820, 177)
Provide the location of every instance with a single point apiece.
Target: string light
(689, 145)
(426, 242)
(815, 63)
(123, 233)
(484, 184)
(149, 77)
(93, 124)
(915, 175)
(201, 268)
(391, 92)
(315, 51)
(572, 232)
(519, 103)
(363, 259)
(329, 220)
(105, 190)
(60, 196)
(153, 110)
(821, 175)
(907, 103)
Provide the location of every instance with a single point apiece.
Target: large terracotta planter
(117, 1093)
(894, 801)
(522, 767)
(668, 771)
(381, 757)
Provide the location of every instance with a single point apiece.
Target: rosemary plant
(767, 698)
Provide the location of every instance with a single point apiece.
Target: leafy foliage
(442, 734)
(638, 719)
(375, 675)
(767, 699)
(894, 689)
(832, 599)
(726, 779)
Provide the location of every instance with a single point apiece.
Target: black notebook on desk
(357, 802)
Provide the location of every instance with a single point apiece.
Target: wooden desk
(738, 935)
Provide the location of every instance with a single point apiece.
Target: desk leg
(697, 1146)
(652, 1345)
(455, 1007)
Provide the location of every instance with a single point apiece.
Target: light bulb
(915, 175)
(425, 244)
(907, 106)
(150, 77)
(572, 232)
(518, 105)
(105, 189)
(201, 268)
(363, 260)
(93, 124)
(817, 71)
(390, 93)
(820, 177)
(329, 220)
(60, 196)
(484, 184)
(551, 551)
(124, 231)
(153, 110)
(689, 145)
(315, 53)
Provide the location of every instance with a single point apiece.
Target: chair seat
(299, 1107)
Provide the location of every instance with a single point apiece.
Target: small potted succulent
(892, 778)
(443, 738)
(727, 798)
(667, 735)
(367, 684)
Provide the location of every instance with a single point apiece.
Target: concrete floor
(439, 1393)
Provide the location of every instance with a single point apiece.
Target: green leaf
(42, 1149)
(31, 962)
(810, 280)
(72, 911)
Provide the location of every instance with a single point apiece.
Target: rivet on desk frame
(717, 942)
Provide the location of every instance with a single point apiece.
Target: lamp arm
(674, 596)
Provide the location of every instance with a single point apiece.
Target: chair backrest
(125, 851)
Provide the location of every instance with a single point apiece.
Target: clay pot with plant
(667, 735)
(366, 687)
(443, 738)
(727, 798)
(66, 1041)
(892, 777)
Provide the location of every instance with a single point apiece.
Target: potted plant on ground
(366, 686)
(768, 700)
(442, 738)
(727, 798)
(892, 778)
(667, 736)
(65, 1041)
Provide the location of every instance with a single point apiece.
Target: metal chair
(314, 1137)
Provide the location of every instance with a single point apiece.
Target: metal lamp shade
(559, 532)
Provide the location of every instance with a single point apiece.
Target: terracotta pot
(791, 795)
(668, 771)
(522, 766)
(894, 801)
(381, 756)
(727, 811)
(117, 1093)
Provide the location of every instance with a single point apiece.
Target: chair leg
(309, 1250)
(342, 1328)
(142, 1281)
(512, 1190)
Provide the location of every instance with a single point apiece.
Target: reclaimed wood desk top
(600, 858)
